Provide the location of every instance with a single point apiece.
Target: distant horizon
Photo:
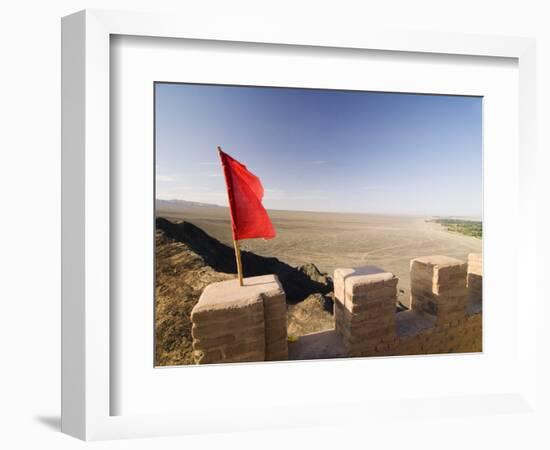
(449, 216)
(323, 150)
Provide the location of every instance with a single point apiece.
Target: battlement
(364, 307)
(444, 316)
(233, 323)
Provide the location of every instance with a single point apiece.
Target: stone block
(438, 287)
(364, 307)
(361, 280)
(233, 323)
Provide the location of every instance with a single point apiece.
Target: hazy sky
(323, 150)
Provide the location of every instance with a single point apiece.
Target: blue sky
(323, 150)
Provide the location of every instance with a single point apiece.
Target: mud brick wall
(233, 323)
(276, 343)
(438, 288)
(442, 318)
(475, 278)
(364, 307)
(458, 336)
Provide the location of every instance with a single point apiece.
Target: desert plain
(330, 240)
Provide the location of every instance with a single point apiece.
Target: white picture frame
(86, 239)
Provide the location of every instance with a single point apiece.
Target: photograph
(300, 224)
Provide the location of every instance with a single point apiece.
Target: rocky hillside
(188, 259)
(311, 315)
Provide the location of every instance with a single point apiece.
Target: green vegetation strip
(467, 227)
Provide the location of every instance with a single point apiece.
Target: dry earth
(310, 316)
(181, 275)
(331, 240)
(188, 259)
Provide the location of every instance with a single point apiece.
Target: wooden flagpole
(235, 242)
(239, 263)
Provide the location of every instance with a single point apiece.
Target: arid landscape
(194, 249)
(331, 240)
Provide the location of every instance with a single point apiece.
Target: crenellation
(364, 308)
(248, 323)
(438, 287)
(233, 323)
(441, 320)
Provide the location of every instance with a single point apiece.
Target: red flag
(249, 218)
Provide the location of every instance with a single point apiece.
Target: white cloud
(377, 188)
(310, 196)
(165, 178)
(210, 174)
(273, 194)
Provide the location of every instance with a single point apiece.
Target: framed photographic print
(243, 208)
(357, 253)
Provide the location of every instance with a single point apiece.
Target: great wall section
(245, 324)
